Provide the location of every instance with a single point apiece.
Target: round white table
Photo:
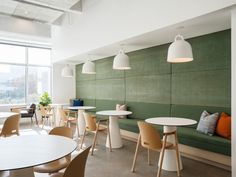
(81, 120)
(4, 115)
(20, 154)
(116, 141)
(170, 124)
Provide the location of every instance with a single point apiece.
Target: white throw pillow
(120, 107)
(207, 123)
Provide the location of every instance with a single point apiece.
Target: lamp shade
(121, 61)
(88, 68)
(67, 71)
(180, 51)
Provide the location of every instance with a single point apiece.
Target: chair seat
(71, 119)
(57, 175)
(52, 167)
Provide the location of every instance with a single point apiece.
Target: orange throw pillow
(223, 127)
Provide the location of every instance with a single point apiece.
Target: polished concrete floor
(118, 162)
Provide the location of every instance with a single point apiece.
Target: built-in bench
(186, 135)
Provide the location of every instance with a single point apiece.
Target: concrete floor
(118, 162)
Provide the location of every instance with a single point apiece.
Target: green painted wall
(153, 81)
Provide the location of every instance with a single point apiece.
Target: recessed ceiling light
(26, 12)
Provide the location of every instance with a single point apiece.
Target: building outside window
(25, 73)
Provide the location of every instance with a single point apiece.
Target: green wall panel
(86, 89)
(206, 88)
(82, 77)
(104, 69)
(110, 89)
(210, 52)
(148, 62)
(102, 105)
(161, 86)
(150, 89)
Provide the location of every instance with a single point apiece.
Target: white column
(233, 89)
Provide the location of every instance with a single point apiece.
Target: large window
(25, 73)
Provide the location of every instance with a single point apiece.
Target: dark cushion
(78, 102)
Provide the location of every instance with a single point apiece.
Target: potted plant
(45, 99)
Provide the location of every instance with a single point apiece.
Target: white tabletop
(171, 121)
(4, 115)
(81, 107)
(113, 113)
(28, 151)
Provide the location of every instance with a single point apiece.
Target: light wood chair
(66, 120)
(94, 127)
(16, 110)
(62, 163)
(150, 139)
(11, 126)
(46, 113)
(77, 166)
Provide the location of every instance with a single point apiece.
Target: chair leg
(95, 138)
(148, 150)
(43, 122)
(177, 154)
(162, 156)
(82, 141)
(36, 119)
(109, 136)
(77, 127)
(136, 153)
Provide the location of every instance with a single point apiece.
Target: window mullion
(26, 75)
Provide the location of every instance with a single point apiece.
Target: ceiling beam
(76, 8)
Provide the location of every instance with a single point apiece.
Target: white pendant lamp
(88, 68)
(67, 71)
(121, 61)
(179, 51)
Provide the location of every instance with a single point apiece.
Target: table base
(26, 172)
(116, 141)
(169, 161)
(81, 122)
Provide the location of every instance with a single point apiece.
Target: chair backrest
(63, 115)
(150, 137)
(32, 108)
(16, 110)
(90, 122)
(77, 166)
(11, 126)
(62, 131)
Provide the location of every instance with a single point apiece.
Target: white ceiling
(44, 11)
(213, 22)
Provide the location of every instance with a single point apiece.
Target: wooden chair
(46, 113)
(66, 120)
(77, 166)
(150, 139)
(62, 163)
(94, 127)
(16, 110)
(11, 126)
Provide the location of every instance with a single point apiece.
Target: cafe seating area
(117, 88)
